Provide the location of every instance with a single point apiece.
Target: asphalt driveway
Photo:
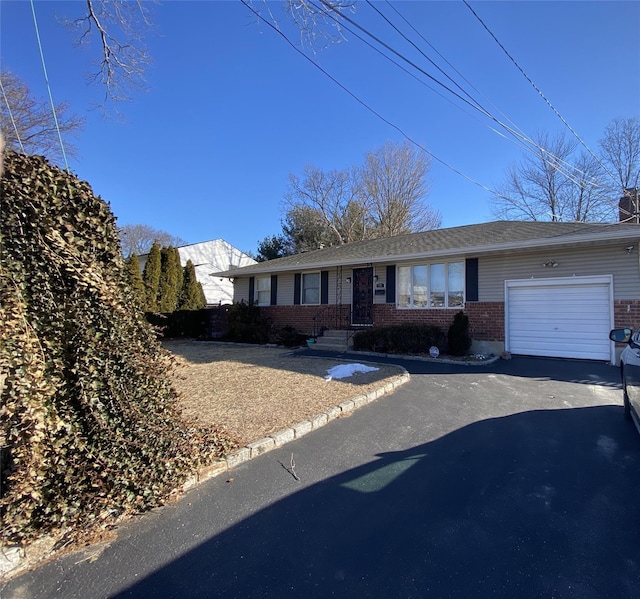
(517, 479)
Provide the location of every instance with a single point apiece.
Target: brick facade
(299, 317)
(486, 319)
(626, 313)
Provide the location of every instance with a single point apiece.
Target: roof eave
(542, 242)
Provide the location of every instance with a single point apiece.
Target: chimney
(628, 206)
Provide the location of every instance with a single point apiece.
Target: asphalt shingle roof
(472, 238)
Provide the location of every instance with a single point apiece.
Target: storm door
(362, 296)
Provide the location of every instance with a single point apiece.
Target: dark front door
(362, 296)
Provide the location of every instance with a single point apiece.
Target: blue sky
(232, 109)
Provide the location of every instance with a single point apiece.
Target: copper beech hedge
(88, 419)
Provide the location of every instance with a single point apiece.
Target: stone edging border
(286, 435)
(491, 360)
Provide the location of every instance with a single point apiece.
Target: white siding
(209, 257)
(214, 256)
(565, 318)
(285, 289)
(241, 290)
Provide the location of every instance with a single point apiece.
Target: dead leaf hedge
(88, 419)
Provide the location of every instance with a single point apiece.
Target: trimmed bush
(458, 337)
(247, 324)
(170, 285)
(135, 279)
(289, 337)
(401, 339)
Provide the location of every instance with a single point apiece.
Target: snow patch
(342, 371)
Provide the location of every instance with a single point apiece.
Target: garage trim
(568, 283)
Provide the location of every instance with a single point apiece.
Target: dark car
(630, 371)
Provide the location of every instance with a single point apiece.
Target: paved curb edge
(286, 435)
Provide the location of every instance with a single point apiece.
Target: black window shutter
(274, 290)
(391, 284)
(471, 280)
(324, 287)
(252, 289)
(297, 284)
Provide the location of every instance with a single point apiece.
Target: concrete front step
(334, 341)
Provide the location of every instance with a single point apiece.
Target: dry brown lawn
(253, 391)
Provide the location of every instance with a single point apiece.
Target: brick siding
(486, 319)
(626, 313)
(299, 317)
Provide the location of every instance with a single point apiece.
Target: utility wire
(365, 105)
(46, 78)
(540, 152)
(395, 9)
(513, 60)
(13, 122)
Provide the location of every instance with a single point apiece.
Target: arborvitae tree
(151, 278)
(202, 298)
(135, 278)
(170, 279)
(192, 296)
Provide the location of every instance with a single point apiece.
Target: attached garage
(564, 317)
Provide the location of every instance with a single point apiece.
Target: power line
(542, 153)
(395, 9)
(46, 79)
(365, 105)
(513, 60)
(13, 122)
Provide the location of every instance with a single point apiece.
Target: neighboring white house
(209, 257)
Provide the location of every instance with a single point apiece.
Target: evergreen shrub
(289, 336)
(458, 338)
(246, 324)
(178, 324)
(151, 278)
(191, 295)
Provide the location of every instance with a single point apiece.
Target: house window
(263, 291)
(438, 285)
(455, 285)
(311, 288)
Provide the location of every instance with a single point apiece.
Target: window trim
(428, 266)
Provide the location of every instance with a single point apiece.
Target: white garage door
(563, 317)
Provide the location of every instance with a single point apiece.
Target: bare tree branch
(27, 124)
(317, 20)
(384, 197)
(620, 146)
(138, 239)
(120, 26)
(394, 188)
(553, 185)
